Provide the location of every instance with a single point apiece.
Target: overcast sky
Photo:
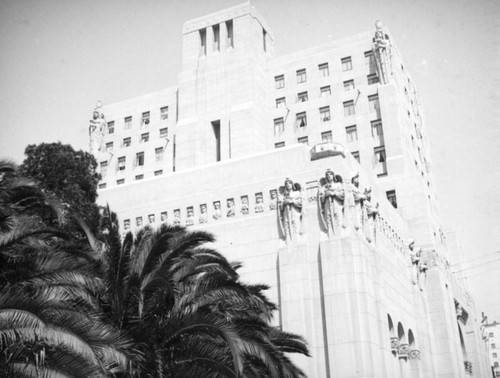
(57, 58)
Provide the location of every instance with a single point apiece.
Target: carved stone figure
(203, 214)
(138, 221)
(190, 217)
(290, 206)
(177, 217)
(244, 205)
(370, 213)
(414, 259)
(230, 208)
(382, 53)
(354, 201)
(217, 213)
(422, 270)
(163, 216)
(331, 200)
(97, 129)
(273, 203)
(259, 203)
(151, 218)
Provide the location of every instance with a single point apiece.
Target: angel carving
(331, 202)
(290, 210)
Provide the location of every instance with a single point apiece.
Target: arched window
(411, 339)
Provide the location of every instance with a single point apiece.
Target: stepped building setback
(313, 169)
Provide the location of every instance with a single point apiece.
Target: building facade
(491, 333)
(314, 170)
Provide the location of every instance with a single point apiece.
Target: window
(352, 133)
(493, 346)
(145, 119)
(495, 355)
(370, 61)
(279, 81)
(279, 126)
(490, 334)
(139, 159)
(373, 102)
(126, 142)
(111, 127)
(280, 103)
(164, 132)
(380, 161)
(355, 155)
(109, 146)
(324, 70)
(164, 113)
(121, 163)
(264, 42)
(203, 42)
(104, 168)
(372, 79)
(216, 31)
(304, 140)
(229, 29)
(391, 197)
(302, 97)
(324, 114)
(139, 177)
(120, 181)
(327, 136)
(301, 120)
(301, 76)
(159, 172)
(158, 154)
(144, 137)
(346, 64)
(279, 144)
(128, 123)
(348, 85)
(377, 130)
(495, 364)
(102, 186)
(349, 108)
(325, 91)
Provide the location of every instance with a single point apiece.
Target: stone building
(491, 332)
(313, 169)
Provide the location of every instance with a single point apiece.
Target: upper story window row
(145, 120)
(213, 34)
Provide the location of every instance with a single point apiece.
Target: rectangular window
(324, 70)
(301, 76)
(304, 140)
(373, 102)
(159, 154)
(495, 364)
(355, 155)
(279, 144)
(324, 114)
(121, 163)
(325, 91)
(495, 355)
(279, 81)
(164, 113)
(391, 197)
(493, 346)
(144, 137)
(348, 85)
(264, 42)
(102, 186)
(352, 133)
(377, 130)
(279, 126)
(164, 132)
(139, 177)
(109, 146)
(349, 109)
(120, 181)
(346, 64)
(380, 161)
(372, 79)
(491, 335)
(302, 97)
(280, 103)
(128, 123)
(159, 172)
(216, 130)
(327, 136)
(111, 127)
(216, 31)
(104, 168)
(126, 142)
(301, 120)
(145, 119)
(139, 159)
(370, 61)
(203, 42)
(229, 28)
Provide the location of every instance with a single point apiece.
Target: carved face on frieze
(274, 194)
(329, 175)
(95, 116)
(288, 185)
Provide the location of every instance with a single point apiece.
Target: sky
(58, 57)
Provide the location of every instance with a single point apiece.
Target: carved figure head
(329, 176)
(190, 212)
(288, 185)
(217, 205)
(259, 199)
(355, 178)
(338, 178)
(151, 218)
(274, 194)
(177, 213)
(163, 216)
(230, 203)
(203, 208)
(95, 115)
(244, 200)
(378, 25)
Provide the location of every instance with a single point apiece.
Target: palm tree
(184, 304)
(50, 316)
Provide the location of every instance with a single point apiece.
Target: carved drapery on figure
(97, 129)
(382, 53)
(414, 259)
(290, 210)
(331, 202)
(370, 213)
(353, 201)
